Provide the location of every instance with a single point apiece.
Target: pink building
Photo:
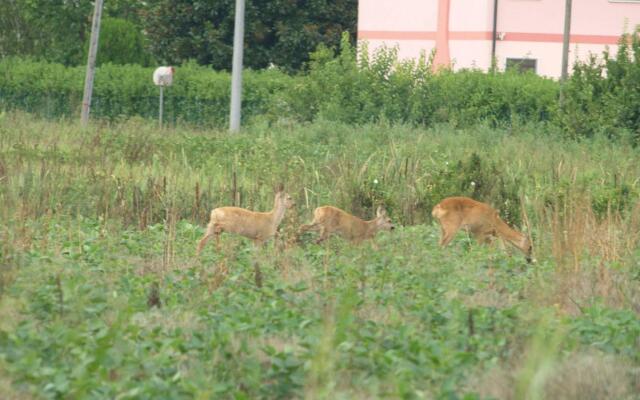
(528, 32)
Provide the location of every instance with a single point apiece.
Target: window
(522, 64)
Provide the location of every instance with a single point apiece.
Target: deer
(480, 220)
(329, 220)
(257, 226)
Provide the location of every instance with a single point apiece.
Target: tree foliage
(121, 42)
(59, 30)
(282, 32)
(603, 94)
(54, 30)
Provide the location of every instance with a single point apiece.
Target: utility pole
(494, 36)
(565, 48)
(236, 73)
(91, 63)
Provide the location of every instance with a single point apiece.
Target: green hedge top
(600, 96)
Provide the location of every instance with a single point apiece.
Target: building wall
(461, 30)
(471, 25)
(410, 25)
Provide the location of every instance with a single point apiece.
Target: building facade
(467, 33)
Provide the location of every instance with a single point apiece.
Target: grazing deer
(479, 219)
(329, 220)
(258, 226)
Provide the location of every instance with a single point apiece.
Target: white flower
(375, 181)
(473, 183)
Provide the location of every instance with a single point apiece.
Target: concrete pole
(236, 73)
(494, 36)
(565, 40)
(565, 48)
(91, 63)
(161, 105)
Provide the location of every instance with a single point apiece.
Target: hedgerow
(600, 97)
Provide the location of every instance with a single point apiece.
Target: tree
(55, 30)
(282, 32)
(122, 42)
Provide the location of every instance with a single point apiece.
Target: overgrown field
(101, 295)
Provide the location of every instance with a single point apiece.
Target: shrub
(121, 42)
(198, 96)
(603, 95)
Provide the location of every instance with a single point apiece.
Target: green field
(101, 295)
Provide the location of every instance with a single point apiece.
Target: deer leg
(324, 235)
(483, 237)
(212, 229)
(447, 238)
(449, 230)
(217, 231)
(202, 242)
(278, 241)
(301, 230)
(217, 242)
(205, 238)
(306, 227)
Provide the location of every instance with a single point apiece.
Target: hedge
(600, 97)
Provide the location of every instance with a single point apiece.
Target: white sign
(163, 76)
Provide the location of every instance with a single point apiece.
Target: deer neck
(371, 228)
(277, 214)
(516, 238)
(523, 243)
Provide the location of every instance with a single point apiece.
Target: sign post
(162, 76)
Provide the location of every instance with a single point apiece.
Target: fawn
(258, 226)
(479, 219)
(329, 220)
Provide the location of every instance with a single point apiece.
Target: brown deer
(258, 226)
(479, 219)
(329, 220)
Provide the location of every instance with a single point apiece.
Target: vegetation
(101, 295)
(171, 31)
(599, 99)
(602, 95)
(121, 43)
(279, 32)
(58, 30)
(199, 96)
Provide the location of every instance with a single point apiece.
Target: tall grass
(579, 199)
(99, 225)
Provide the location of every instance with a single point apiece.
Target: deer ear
(280, 187)
(380, 211)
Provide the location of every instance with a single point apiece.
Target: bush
(379, 87)
(198, 96)
(601, 97)
(121, 42)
